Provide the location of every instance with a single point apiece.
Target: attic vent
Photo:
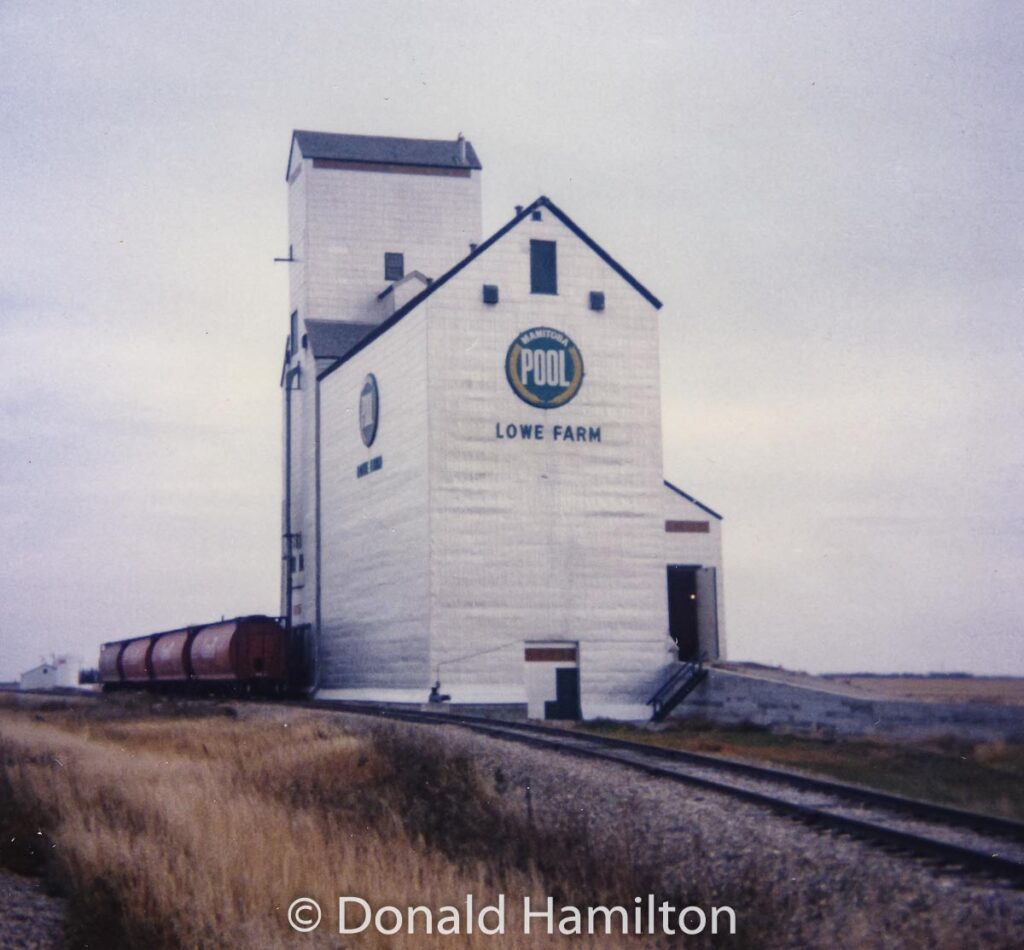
(394, 266)
(535, 216)
(596, 300)
(490, 293)
(543, 270)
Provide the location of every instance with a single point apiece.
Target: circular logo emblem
(544, 367)
(369, 410)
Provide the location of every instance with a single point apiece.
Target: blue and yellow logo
(369, 410)
(544, 367)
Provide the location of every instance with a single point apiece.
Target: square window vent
(490, 293)
(596, 300)
(543, 268)
(394, 266)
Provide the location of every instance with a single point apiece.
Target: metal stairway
(676, 688)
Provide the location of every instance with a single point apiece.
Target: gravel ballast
(790, 885)
(30, 919)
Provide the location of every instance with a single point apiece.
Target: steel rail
(623, 752)
(632, 755)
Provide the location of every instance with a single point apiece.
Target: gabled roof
(331, 339)
(541, 202)
(382, 150)
(699, 504)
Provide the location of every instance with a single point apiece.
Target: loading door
(566, 704)
(693, 610)
(682, 610)
(552, 676)
(707, 613)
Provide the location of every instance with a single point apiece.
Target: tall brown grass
(193, 831)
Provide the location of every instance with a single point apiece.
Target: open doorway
(693, 610)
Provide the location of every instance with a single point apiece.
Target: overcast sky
(826, 196)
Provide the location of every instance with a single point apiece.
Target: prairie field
(174, 826)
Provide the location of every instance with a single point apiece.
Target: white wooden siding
(352, 218)
(694, 548)
(374, 543)
(542, 539)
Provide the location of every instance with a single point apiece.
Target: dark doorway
(566, 704)
(682, 610)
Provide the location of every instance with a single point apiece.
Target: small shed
(54, 673)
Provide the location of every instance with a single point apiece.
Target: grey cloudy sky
(827, 196)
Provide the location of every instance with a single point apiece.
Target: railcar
(254, 654)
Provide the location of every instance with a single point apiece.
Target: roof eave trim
(427, 291)
(600, 252)
(690, 498)
(541, 202)
(469, 166)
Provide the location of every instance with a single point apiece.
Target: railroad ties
(947, 839)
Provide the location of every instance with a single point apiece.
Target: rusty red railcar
(136, 661)
(247, 650)
(245, 654)
(110, 663)
(170, 657)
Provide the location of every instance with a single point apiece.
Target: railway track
(948, 839)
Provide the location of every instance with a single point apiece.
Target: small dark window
(490, 293)
(302, 563)
(543, 271)
(394, 266)
(293, 340)
(305, 341)
(535, 216)
(596, 300)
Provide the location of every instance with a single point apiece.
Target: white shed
(53, 673)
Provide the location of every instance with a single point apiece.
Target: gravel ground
(29, 918)
(791, 886)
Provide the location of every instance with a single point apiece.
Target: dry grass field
(1000, 690)
(172, 826)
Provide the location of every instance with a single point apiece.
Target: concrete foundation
(732, 698)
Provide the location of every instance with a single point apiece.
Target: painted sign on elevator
(544, 367)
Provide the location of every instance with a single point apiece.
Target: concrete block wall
(731, 698)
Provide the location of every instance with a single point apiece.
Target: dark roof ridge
(542, 202)
(699, 504)
(383, 149)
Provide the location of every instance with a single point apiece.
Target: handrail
(688, 670)
(678, 686)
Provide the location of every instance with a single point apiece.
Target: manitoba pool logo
(544, 367)
(369, 410)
